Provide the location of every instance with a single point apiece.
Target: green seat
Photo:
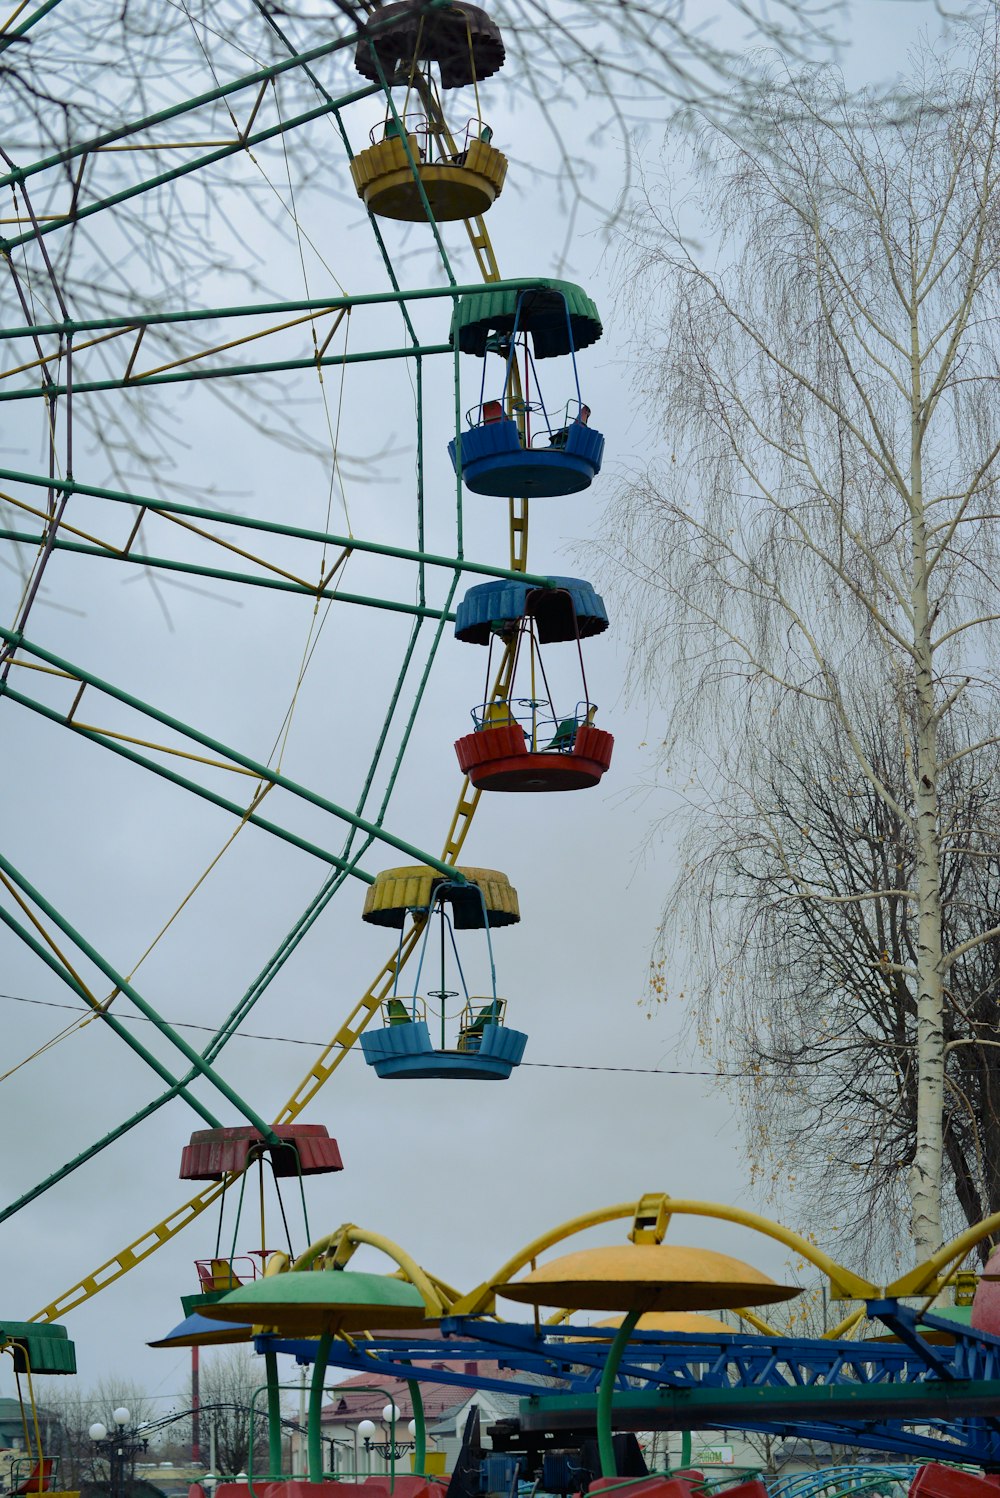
(398, 1012)
(564, 735)
(488, 1015)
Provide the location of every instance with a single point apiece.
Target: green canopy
(42, 1347)
(307, 1302)
(484, 314)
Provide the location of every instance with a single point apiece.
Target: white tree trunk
(926, 1170)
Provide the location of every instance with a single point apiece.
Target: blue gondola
(570, 609)
(486, 1049)
(532, 456)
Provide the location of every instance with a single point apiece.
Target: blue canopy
(558, 612)
(199, 1331)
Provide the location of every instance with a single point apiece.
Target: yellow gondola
(415, 164)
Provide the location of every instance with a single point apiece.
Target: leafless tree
(82, 241)
(228, 1382)
(812, 550)
(820, 1008)
(67, 1415)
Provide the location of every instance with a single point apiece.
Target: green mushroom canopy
(310, 1302)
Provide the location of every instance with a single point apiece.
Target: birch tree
(819, 1013)
(815, 536)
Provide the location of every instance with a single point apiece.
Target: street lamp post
(392, 1448)
(366, 1429)
(120, 1446)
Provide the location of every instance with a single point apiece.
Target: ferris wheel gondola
(486, 1048)
(520, 741)
(415, 163)
(516, 445)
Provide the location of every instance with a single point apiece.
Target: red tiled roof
(348, 1408)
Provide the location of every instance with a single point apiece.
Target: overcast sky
(612, 1100)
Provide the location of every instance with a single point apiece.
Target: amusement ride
(913, 1383)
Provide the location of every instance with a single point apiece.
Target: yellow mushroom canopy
(672, 1321)
(646, 1277)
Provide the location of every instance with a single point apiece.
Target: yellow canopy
(646, 1277)
(396, 891)
(672, 1321)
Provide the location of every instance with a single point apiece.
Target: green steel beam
(144, 1007)
(15, 33)
(39, 1189)
(324, 93)
(274, 527)
(185, 169)
(694, 1408)
(221, 574)
(267, 309)
(214, 1046)
(113, 1023)
(289, 943)
(221, 372)
(124, 751)
(404, 137)
(185, 106)
(262, 771)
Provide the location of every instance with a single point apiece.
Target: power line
(647, 1071)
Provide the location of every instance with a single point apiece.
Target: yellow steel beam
(221, 348)
(198, 759)
(350, 1236)
(843, 1280)
(22, 5)
(77, 347)
(136, 1252)
(757, 1322)
(248, 556)
(923, 1277)
(44, 515)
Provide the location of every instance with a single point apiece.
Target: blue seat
(494, 462)
(406, 1051)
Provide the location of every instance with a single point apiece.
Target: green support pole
(457, 378)
(108, 1019)
(274, 527)
(222, 574)
(606, 1391)
(211, 1050)
(685, 1448)
(194, 165)
(324, 93)
(140, 1003)
(15, 33)
(174, 111)
(220, 372)
(65, 326)
(420, 1427)
(315, 1433)
(273, 1415)
(124, 752)
(414, 169)
(33, 1192)
(264, 772)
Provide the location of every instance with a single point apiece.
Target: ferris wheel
(110, 684)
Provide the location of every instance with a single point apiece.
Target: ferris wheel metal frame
(61, 372)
